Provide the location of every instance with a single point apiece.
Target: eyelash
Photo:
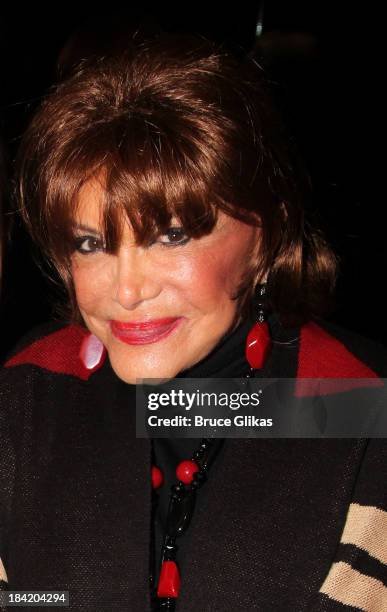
(178, 230)
(80, 240)
(99, 246)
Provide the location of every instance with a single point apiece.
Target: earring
(258, 340)
(92, 352)
(260, 293)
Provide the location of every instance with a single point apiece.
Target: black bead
(197, 455)
(200, 476)
(165, 605)
(179, 514)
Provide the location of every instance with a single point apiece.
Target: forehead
(89, 203)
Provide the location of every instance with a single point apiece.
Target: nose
(135, 279)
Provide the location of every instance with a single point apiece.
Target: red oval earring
(92, 352)
(258, 341)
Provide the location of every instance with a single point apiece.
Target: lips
(144, 332)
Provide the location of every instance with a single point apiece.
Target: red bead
(157, 477)
(258, 345)
(185, 471)
(169, 581)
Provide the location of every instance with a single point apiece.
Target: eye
(88, 244)
(175, 236)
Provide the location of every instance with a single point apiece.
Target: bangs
(147, 176)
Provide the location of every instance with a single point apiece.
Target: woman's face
(158, 309)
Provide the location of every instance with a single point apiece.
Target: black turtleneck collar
(227, 359)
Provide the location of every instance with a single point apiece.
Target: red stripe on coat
(324, 356)
(58, 352)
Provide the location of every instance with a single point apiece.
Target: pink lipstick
(144, 332)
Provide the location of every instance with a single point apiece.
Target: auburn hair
(178, 127)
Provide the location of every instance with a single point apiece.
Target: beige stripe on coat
(3, 573)
(348, 586)
(366, 527)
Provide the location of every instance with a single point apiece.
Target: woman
(157, 185)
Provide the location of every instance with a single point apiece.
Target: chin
(152, 376)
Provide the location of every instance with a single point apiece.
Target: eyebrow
(86, 228)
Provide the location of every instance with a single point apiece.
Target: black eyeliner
(79, 240)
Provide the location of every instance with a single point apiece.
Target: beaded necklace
(191, 475)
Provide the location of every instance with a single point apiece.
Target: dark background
(322, 63)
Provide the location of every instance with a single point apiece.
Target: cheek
(91, 286)
(208, 276)
(214, 274)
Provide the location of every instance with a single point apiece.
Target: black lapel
(82, 523)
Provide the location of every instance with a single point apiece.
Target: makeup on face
(144, 332)
(158, 309)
